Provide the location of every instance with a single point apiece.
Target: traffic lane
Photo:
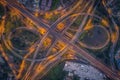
(90, 58)
(27, 14)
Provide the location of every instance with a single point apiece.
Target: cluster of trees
(56, 73)
(2, 11)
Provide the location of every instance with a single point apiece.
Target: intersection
(39, 67)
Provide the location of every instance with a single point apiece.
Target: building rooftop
(84, 71)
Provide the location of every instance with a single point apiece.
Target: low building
(83, 71)
(117, 58)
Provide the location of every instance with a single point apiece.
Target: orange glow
(2, 27)
(48, 15)
(54, 50)
(42, 31)
(36, 14)
(21, 69)
(56, 12)
(29, 22)
(74, 15)
(53, 59)
(60, 26)
(13, 12)
(109, 11)
(47, 42)
(50, 57)
(40, 68)
(22, 66)
(3, 2)
(70, 56)
(103, 1)
(31, 50)
(105, 22)
(113, 36)
(60, 44)
(90, 9)
(88, 25)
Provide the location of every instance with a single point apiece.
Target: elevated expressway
(114, 33)
(44, 65)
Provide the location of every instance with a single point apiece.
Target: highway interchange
(45, 64)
